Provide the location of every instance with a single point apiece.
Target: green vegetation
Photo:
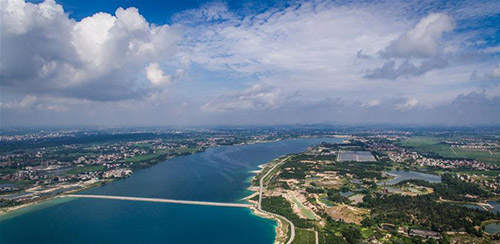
(454, 189)
(306, 212)
(146, 157)
(434, 147)
(425, 212)
(303, 236)
(340, 232)
(334, 196)
(84, 169)
(481, 155)
(281, 206)
(7, 170)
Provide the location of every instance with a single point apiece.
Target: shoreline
(281, 228)
(7, 210)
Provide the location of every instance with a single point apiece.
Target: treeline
(452, 188)
(281, 206)
(424, 211)
(79, 138)
(340, 232)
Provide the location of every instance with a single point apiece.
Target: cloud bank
(98, 58)
(303, 61)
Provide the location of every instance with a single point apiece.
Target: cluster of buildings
(117, 173)
(473, 144)
(492, 183)
(403, 156)
(454, 164)
(35, 136)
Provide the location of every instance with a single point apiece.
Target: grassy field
(303, 236)
(429, 144)
(143, 145)
(79, 170)
(481, 155)
(141, 158)
(305, 211)
(7, 170)
(159, 153)
(425, 144)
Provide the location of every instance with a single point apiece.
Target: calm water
(410, 175)
(492, 228)
(496, 207)
(219, 174)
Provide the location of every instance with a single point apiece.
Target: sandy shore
(282, 226)
(4, 211)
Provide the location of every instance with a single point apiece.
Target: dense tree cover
(314, 190)
(281, 206)
(351, 234)
(452, 188)
(339, 232)
(335, 196)
(294, 170)
(424, 211)
(79, 138)
(328, 237)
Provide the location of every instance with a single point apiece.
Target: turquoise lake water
(218, 174)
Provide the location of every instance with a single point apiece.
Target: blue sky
(249, 62)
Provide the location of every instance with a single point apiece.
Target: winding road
(259, 206)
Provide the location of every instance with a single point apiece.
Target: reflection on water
(410, 175)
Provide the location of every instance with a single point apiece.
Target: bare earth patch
(346, 213)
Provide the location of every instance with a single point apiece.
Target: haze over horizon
(149, 62)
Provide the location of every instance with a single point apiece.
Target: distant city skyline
(184, 63)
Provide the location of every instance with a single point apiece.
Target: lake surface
(492, 228)
(496, 207)
(219, 174)
(410, 175)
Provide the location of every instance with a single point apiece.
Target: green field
(303, 236)
(7, 170)
(79, 170)
(146, 157)
(179, 151)
(427, 144)
(481, 155)
(143, 145)
(302, 209)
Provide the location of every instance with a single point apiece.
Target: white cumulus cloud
(407, 104)
(255, 97)
(156, 75)
(99, 58)
(423, 40)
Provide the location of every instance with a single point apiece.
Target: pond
(401, 175)
(492, 228)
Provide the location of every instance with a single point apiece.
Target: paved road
(259, 206)
(145, 199)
